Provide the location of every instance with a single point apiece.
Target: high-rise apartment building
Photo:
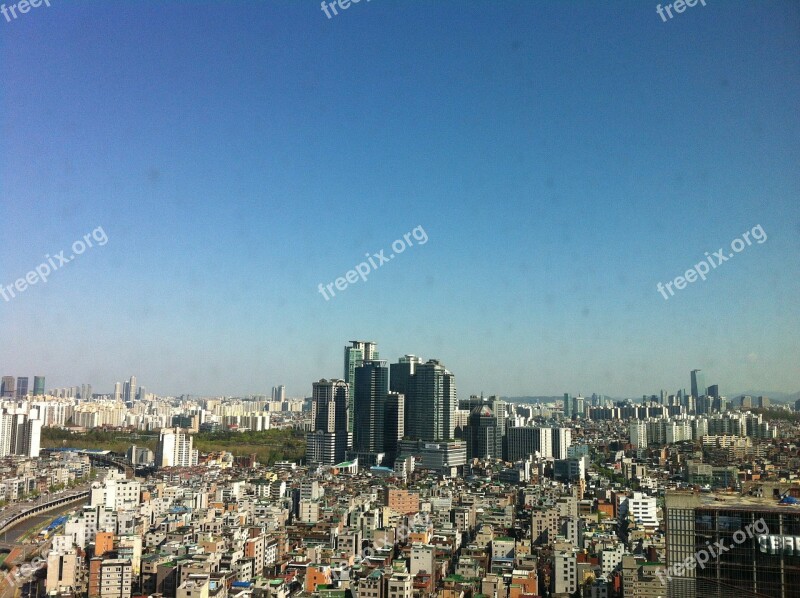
(175, 449)
(638, 433)
(118, 392)
(371, 389)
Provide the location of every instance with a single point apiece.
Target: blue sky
(563, 158)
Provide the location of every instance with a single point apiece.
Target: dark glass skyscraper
(698, 384)
(38, 386)
(354, 356)
(7, 387)
(431, 403)
(484, 440)
(369, 406)
(401, 371)
(22, 387)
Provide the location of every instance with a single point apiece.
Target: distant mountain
(775, 397)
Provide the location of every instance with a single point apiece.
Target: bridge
(21, 511)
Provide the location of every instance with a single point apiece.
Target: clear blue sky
(562, 157)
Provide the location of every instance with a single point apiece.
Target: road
(10, 585)
(19, 507)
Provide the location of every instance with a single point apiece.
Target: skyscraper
(279, 393)
(431, 403)
(400, 372)
(38, 386)
(562, 439)
(484, 440)
(698, 383)
(329, 439)
(354, 356)
(118, 391)
(567, 405)
(371, 390)
(330, 405)
(131, 390)
(7, 387)
(22, 387)
(394, 424)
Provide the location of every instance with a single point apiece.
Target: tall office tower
(638, 434)
(371, 390)
(578, 406)
(354, 356)
(698, 384)
(329, 439)
(567, 405)
(38, 386)
(22, 387)
(431, 403)
(562, 439)
(703, 404)
(484, 440)
(117, 392)
(126, 391)
(131, 390)
(330, 405)
(141, 394)
(713, 391)
(758, 537)
(400, 372)
(520, 442)
(175, 449)
(393, 425)
(7, 387)
(279, 393)
(83, 392)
